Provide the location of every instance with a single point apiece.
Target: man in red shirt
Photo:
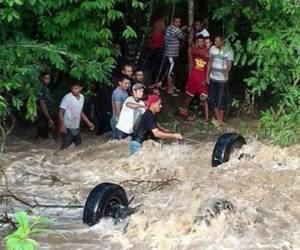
(196, 83)
(157, 44)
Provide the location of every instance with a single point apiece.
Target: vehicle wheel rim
(108, 208)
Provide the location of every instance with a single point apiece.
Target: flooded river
(169, 182)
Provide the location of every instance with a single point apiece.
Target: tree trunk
(191, 21)
(191, 18)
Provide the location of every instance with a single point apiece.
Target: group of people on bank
(135, 102)
(210, 65)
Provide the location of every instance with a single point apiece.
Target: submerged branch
(3, 139)
(51, 177)
(151, 185)
(39, 205)
(36, 203)
(5, 219)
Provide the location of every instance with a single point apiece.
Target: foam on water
(170, 182)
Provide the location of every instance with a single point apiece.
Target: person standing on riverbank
(173, 36)
(208, 42)
(218, 69)
(127, 70)
(44, 120)
(148, 127)
(196, 84)
(70, 114)
(157, 46)
(150, 88)
(199, 29)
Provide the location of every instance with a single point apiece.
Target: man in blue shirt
(118, 98)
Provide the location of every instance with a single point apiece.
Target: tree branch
(5, 219)
(151, 185)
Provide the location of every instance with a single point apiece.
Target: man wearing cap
(148, 127)
(132, 109)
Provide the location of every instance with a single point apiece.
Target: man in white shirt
(70, 114)
(218, 69)
(199, 29)
(131, 111)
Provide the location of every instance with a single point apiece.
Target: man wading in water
(132, 108)
(44, 120)
(118, 98)
(70, 113)
(148, 128)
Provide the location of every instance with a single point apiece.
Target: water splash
(169, 182)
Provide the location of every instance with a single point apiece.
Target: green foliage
(20, 65)
(64, 36)
(21, 238)
(129, 33)
(136, 4)
(282, 129)
(282, 124)
(266, 39)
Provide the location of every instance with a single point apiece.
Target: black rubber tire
(225, 146)
(99, 201)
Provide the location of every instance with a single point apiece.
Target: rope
(160, 70)
(173, 12)
(192, 140)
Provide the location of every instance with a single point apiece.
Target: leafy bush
(73, 37)
(282, 129)
(21, 238)
(282, 124)
(266, 39)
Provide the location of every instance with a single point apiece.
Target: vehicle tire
(100, 201)
(225, 146)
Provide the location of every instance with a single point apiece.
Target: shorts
(117, 133)
(218, 94)
(196, 85)
(72, 136)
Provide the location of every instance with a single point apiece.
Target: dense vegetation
(65, 35)
(266, 37)
(75, 38)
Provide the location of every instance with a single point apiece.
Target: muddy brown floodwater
(265, 189)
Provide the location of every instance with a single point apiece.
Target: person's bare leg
(205, 104)
(184, 110)
(170, 85)
(216, 113)
(187, 102)
(221, 116)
